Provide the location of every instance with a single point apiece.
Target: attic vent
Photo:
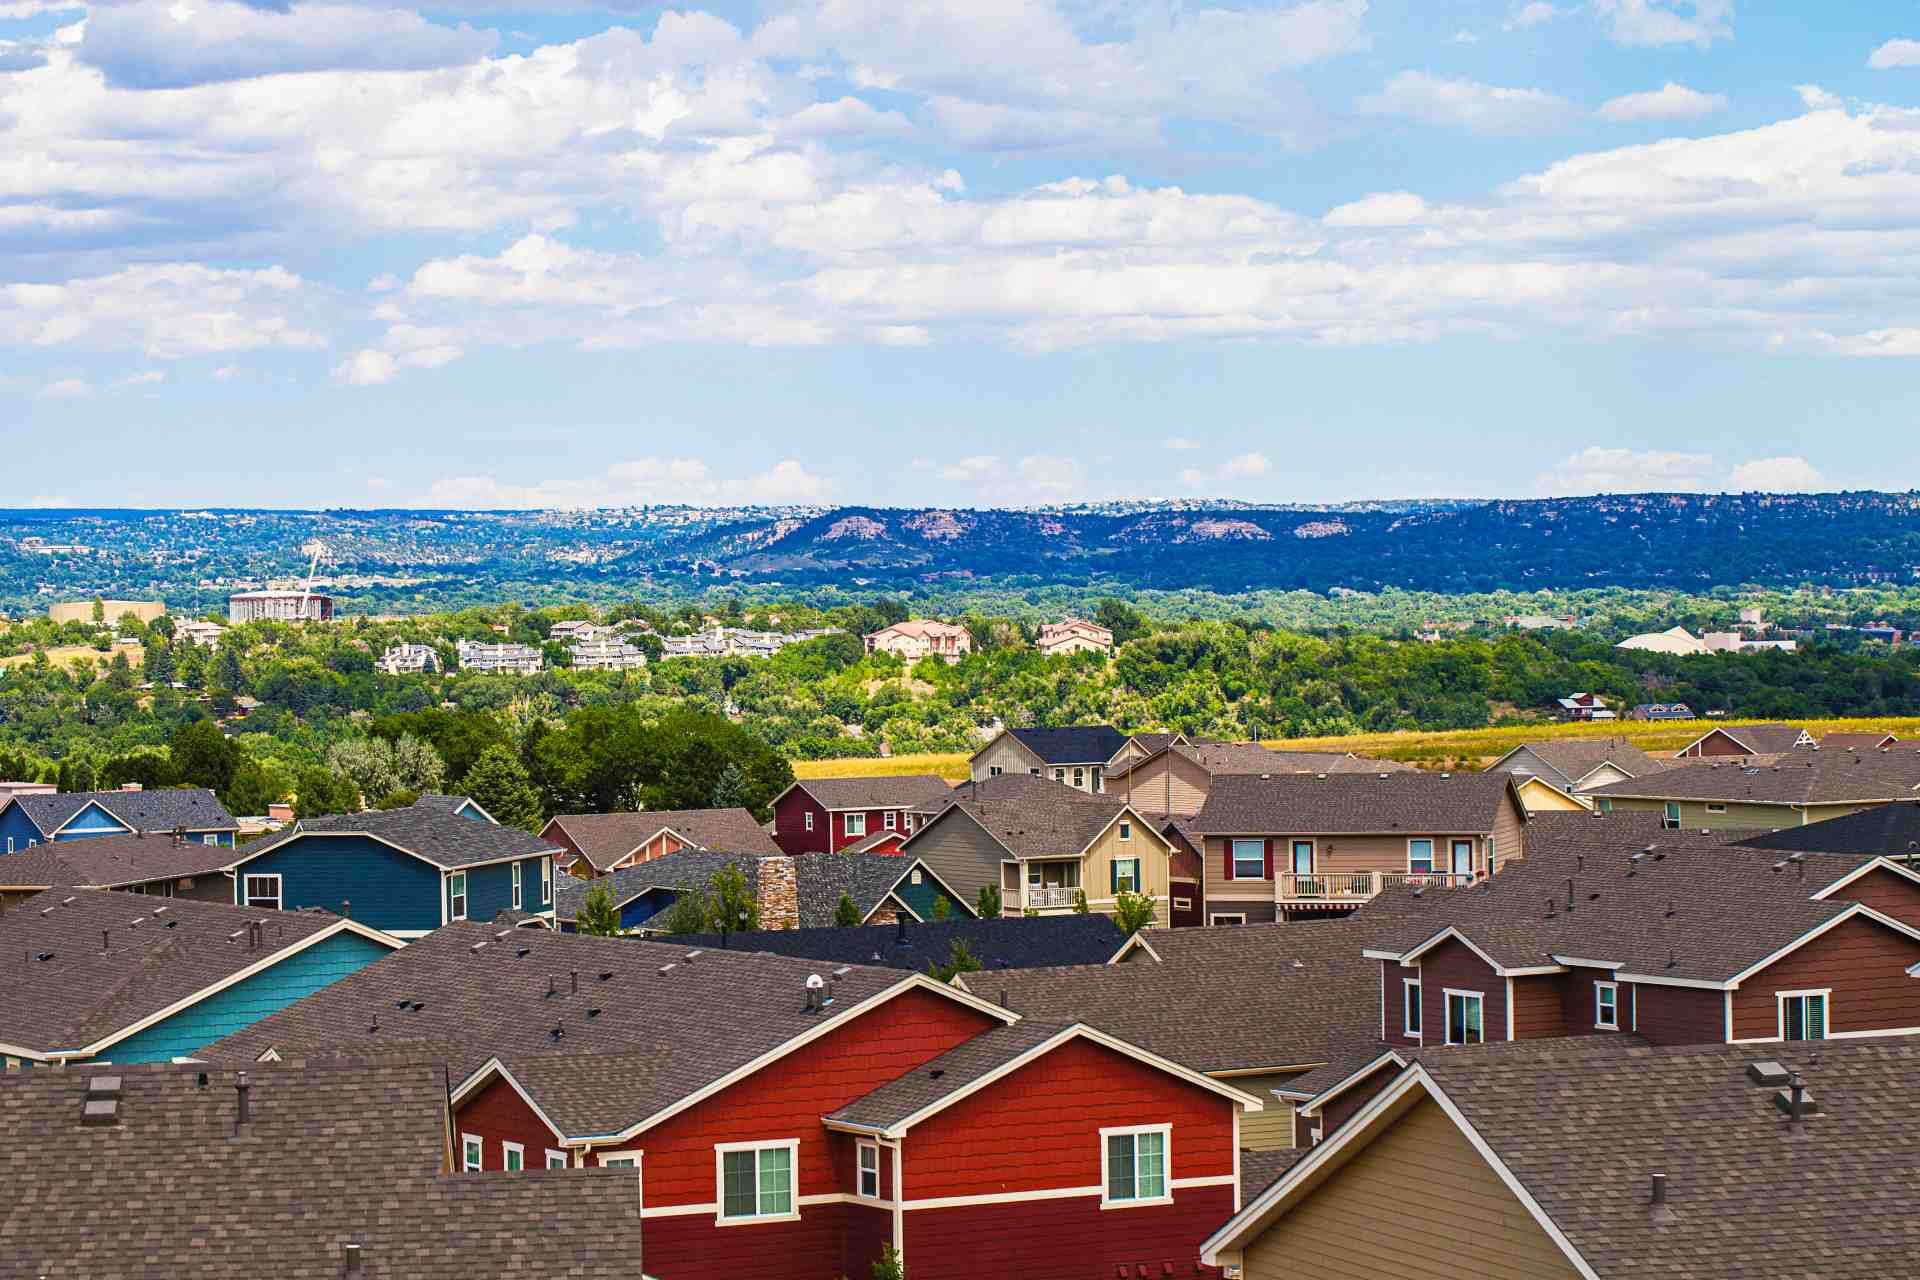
(1768, 1074)
(521, 953)
(843, 971)
(691, 956)
(102, 1107)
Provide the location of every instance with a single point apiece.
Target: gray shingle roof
(1887, 830)
(1761, 739)
(605, 838)
(1033, 817)
(429, 829)
(108, 862)
(1346, 804)
(1010, 942)
(682, 870)
(330, 1156)
(1799, 777)
(952, 1071)
(867, 878)
(1224, 758)
(1073, 744)
(157, 952)
(195, 808)
(1575, 758)
(902, 791)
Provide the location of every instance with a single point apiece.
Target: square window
(1059, 775)
(1249, 860)
(1463, 1018)
(262, 891)
(856, 824)
(869, 1170)
(513, 1157)
(993, 771)
(757, 1181)
(1136, 1166)
(210, 839)
(1126, 831)
(1420, 857)
(1410, 1014)
(1606, 1005)
(471, 1149)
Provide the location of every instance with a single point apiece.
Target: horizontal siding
(1272, 1129)
(1862, 961)
(1452, 965)
(1063, 1239)
(1888, 893)
(388, 889)
(1678, 1015)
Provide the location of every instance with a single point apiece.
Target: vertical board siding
(245, 1003)
(388, 889)
(1862, 961)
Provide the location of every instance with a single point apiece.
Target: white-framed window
(472, 1147)
(1183, 904)
(869, 1158)
(754, 1181)
(261, 891)
(1803, 1014)
(620, 1160)
(1464, 1022)
(1059, 775)
(9, 844)
(1410, 1006)
(1420, 857)
(546, 879)
(1716, 808)
(1034, 772)
(890, 820)
(1079, 778)
(1133, 1166)
(1606, 1005)
(1605, 803)
(210, 838)
(1099, 780)
(915, 875)
(516, 886)
(457, 895)
(513, 1157)
(1126, 875)
(1126, 831)
(1670, 815)
(557, 1159)
(1249, 860)
(809, 819)
(993, 771)
(1227, 918)
(856, 824)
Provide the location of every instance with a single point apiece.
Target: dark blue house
(193, 812)
(404, 871)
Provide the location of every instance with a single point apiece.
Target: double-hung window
(262, 891)
(471, 1149)
(1671, 816)
(890, 820)
(1134, 1164)
(457, 896)
(1410, 1006)
(513, 1157)
(210, 838)
(756, 1180)
(546, 880)
(1125, 875)
(869, 1170)
(1079, 778)
(1249, 859)
(516, 886)
(1463, 1018)
(1606, 1006)
(1420, 857)
(809, 819)
(1126, 831)
(856, 825)
(1059, 775)
(1803, 1015)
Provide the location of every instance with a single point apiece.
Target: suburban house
(1077, 755)
(593, 844)
(403, 871)
(1747, 740)
(1574, 765)
(1302, 997)
(408, 659)
(1073, 635)
(1585, 706)
(921, 638)
(773, 1109)
(1537, 795)
(160, 865)
(104, 977)
(1790, 789)
(1002, 942)
(281, 1170)
(790, 892)
(1176, 777)
(500, 658)
(1043, 845)
(29, 819)
(1857, 741)
(1886, 830)
(1289, 846)
(1604, 1162)
(826, 815)
(1661, 711)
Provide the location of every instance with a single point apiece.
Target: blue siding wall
(647, 906)
(388, 889)
(16, 826)
(920, 897)
(490, 890)
(245, 1003)
(530, 881)
(92, 821)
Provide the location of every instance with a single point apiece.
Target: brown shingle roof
(1800, 777)
(330, 1156)
(1033, 817)
(947, 1074)
(108, 862)
(903, 791)
(1223, 758)
(428, 828)
(1575, 758)
(605, 838)
(1761, 739)
(1348, 804)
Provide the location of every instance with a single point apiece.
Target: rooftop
(109, 862)
(430, 828)
(162, 809)
(1073, 744)
(1031, 817)
(604, 838)
(1010, 942)
(901, 791)
(1791, 778)
(1347, 803)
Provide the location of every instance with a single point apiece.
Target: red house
(898, 1112)
(826, 815)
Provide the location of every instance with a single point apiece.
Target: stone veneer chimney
(779, 893)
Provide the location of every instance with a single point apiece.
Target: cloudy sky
(954, 251)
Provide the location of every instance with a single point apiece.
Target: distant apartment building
(279, 606)
(409, 659)
(195, 631)
(1075, 635)
(513, 659)
(606, 655)
(111, 611)
(920, 638)
(1585, 706)
(577, 629)
(736, 642)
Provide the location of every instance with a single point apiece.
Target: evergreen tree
(942, 909)
(158, 662)
(987, 906)
(732, 905)
(319, 790)
(252, 788)
(202, 756)
(730, 792)
(227, 673)
(598, 915)
(688, 914)
(960, 959)
(498, 783)
(845, 913)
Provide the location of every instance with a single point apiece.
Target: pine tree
(846, 914)
(942, 909)
(158, 662)
(730, 790)
(598, 915)
(987, 906)
(498, 783)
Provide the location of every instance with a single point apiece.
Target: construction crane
(318, 548)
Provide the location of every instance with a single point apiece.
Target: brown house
(603, 842)
(1283, 846)
(1747, 740)
(1175, 776)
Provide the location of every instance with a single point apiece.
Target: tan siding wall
(964, 856)
(1171, 784)
(1145, 845)
(1693, 813)
(1007, 755)
(1539, 797)
(1509, 833)
(1418, 1202)
(1272, 1129)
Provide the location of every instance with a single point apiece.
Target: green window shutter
(1113, 877)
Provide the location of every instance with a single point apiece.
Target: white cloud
(1385, 209)
(1665, 22)
(1895, 53)
(1777, 475)
(66, 389)
(1048, 476)
(636, 482)
(145, 378)
(1669, 102)
(1463, 36)
(1182, 443)
(846, 118)
(367, 369)
(1248, 464)
(786, 482)
(1467, 105)
(18, 56)
(168, 311)
(1526, 16)
(968, 470)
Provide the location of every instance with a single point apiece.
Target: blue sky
(960, 252)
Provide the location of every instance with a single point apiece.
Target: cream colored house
(922, 638)
(1076, 756)
(1075, 635)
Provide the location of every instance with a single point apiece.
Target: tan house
(1747, 740)
(1537, 795)
(1290, 846)
(1575, 765)
(1075, 755)
(1176, 775)
(1790, 789)
(1075, 635)
(922, 638)
(1043, 845)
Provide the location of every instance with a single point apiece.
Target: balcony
(1350, 888)
(1058, 896)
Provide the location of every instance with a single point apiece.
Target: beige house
(1176, 776)
(922, 638)
(1790, 789)
(1076, 755)
(1075, 635)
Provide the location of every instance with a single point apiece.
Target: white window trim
(1126, 831)
(210, 838)
(566, 1161)
(890, 820)
(1409, 1004)
(510, 1149)
(1446, 1015)
(633, 1154)
(546, 880)
(1780, 999)
(279, 889)
(1233, 859)
(516, 886)
(861, 1151)
(461, 914)
(1433, 855)
(809, 819)
(1716, 808)
(1672, 816)
(720, 1150)
(1238, 917)
(1183, 904)
(847, 825)
(1166, 1165)
(1613, 988)
(473, 1152)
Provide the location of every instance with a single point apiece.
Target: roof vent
(1445, 777)
(501, 936)
(606, 975)
(666, 969)
(592, 1014)
(1795, 1100)
(521, 953)
(816, 993)
(691, 956)
(559, 1030)
(1767, 1073)
(102, 1107)
(475, 948)
(1382, 777)
(350, 1259)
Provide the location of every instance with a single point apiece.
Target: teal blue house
(193, 812)
(111, 977)
(405, 871)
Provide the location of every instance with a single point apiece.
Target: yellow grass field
(68, 654)
(1451, 749)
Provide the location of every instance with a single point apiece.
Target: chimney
(346, 908)
(778, 893)
(240, 1087)
(574, 979)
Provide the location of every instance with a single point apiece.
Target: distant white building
(606, 655)
(1676, 640)
(577, 629)
(735, 642)
(279, 606)
(409, 659)
(194, 631)
(1075, 635)
(514, 659)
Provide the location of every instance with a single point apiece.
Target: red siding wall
(1342, 1108)
(1862, 961)
(497, 1113)
(1064, 1239)
(1579, 1006)
(1678, 1015)
(1889, 894)
(790, 824)
(1452, 965)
